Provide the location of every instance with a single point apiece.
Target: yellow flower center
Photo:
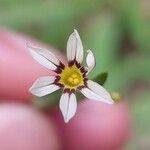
(71, 77)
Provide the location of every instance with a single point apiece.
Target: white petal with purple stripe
(94, 91)
(44, 86)
(44, 57)
(68, 105)
(75, 48)
(90, 61)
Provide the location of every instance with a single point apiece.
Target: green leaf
(101, 78)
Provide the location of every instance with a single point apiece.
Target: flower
(70, 78)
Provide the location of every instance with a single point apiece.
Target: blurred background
(118, 31)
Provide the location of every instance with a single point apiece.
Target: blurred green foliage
(113, 29)
(116, 30)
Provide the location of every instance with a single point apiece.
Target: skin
(24, 70)
(24, 128)
(95, 126)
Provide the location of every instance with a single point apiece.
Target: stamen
(72, 77)
(76, 81)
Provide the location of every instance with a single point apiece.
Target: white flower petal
(43, 81)
(98, 89)
(68, 106)
(75, 48)
(44, 90)
(90, 60)
(71, 47)
(96, 92)
(44, 57)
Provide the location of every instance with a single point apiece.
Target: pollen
(71, 77)
(74, 75)
(76, 81)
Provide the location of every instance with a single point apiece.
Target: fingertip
(96, 126)
(22, 127)
(18, 69)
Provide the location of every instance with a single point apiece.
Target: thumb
(95, 126)
(18, 69)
